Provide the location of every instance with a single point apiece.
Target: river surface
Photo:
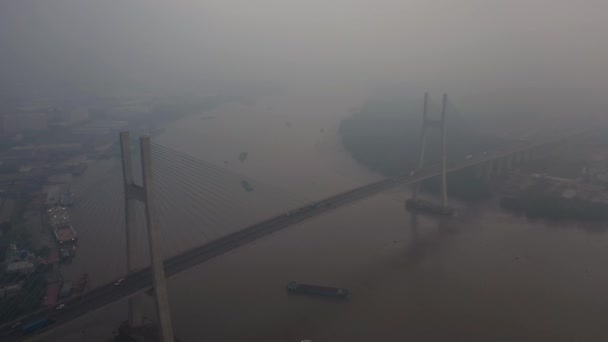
(484, 275)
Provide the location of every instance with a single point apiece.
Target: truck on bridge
(36, 325)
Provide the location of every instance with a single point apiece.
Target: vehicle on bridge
(119, 282)
(36, 325)
(469, 157)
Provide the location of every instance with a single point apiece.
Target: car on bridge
(60, 307)
(119, 282)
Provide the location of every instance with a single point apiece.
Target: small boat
(245, 184)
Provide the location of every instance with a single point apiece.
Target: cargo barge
(324, 291)
(59, 220)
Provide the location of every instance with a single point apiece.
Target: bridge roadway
(141, 280)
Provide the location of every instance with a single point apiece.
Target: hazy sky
(468, 45)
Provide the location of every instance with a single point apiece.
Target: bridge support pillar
(136, 315)
(427, 123)
(156, 259)
(422, 143)
(135, 307)
(444, 182)
(144, 193)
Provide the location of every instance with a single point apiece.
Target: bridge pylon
(414, 202)
(144, 193)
